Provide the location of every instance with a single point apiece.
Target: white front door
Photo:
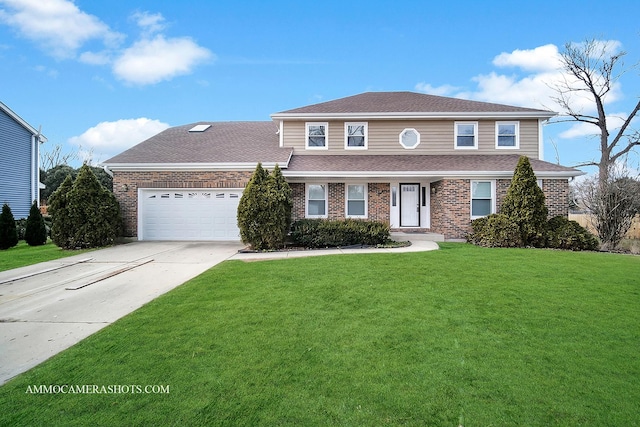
(409, 205)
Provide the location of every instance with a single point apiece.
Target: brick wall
(379, 201)
(126, 185)
(556, 192)
(450, 205)
(450, 208)
(297, 194)
(336, 200)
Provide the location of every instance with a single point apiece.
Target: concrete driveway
(48, 307)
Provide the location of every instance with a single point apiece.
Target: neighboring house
(19, 162)
(419, 162)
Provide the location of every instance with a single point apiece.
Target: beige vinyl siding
(436, 137)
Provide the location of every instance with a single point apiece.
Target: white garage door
(189, 214)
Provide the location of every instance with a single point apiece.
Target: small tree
(8, 230)
(35, 232)
(525, 205)
(613, 205)
(264, 212)
(253, 208)
(279, 194)
(61, 227)
(94, 212)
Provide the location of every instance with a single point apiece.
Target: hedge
(323, 233)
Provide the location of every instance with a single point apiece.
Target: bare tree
(53, 157)
(593, 70)
(613, 205)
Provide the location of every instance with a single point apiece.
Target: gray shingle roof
(407, 102)
(462, 164)
(223, 142)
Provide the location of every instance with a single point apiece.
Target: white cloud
(542, 58)
(534, 75)
(58, 25)
(62, 29)
(444, 90)
(150, 23)
(108, 138)
(93, 58)
(150, 61)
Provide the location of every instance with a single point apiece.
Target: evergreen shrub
(35, 233)
(264, 211)
(495, 231)
(84, 214)
(323, 233)
(564, 233)
(8, 231)
(525, 205)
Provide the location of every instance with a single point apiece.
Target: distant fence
(585, 221)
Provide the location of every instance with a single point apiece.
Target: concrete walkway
(416, 246)
(48, 307)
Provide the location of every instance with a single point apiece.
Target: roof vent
(199, 128)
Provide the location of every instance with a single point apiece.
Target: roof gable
(408, 104)
(9, 112)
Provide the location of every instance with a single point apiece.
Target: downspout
(541, 123)
(106, 169)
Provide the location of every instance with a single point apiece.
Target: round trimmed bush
(495, 231)
(564, 233)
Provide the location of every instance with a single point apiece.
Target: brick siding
(450, 198)
(450, 208)
(379, 201)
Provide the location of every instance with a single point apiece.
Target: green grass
(23, 255)
(464, 335)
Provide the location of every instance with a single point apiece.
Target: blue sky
(105, 75)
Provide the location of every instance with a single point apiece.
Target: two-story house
(19, 162)
(419, 162)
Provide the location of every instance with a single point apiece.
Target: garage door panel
(189, 215)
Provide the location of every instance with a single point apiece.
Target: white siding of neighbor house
(18, 180)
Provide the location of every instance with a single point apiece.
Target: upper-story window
(466, 135)
(317, 135)
(409, 138)
(355, 135)
(507, 135)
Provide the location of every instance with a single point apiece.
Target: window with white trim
(316, 135)
(507, 135)
(466, 135)
(356, 200)
(409, 138)
(355, 135)
(482, 198)
(316, 201)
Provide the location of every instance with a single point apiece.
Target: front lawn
(23, 255)
(462, 336)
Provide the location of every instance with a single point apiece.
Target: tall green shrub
(61, 226)
(35, 233)
(253, 209)
(264, 212)
(525, 205)
(8, 231)
(281, 204)
(94, 212)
